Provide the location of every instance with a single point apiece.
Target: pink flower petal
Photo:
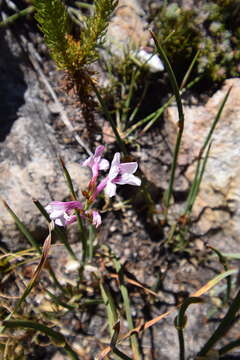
(96, 217)
(128, 179)
(99, 151)
(129, 168)
(113, 173)
(104, 164)
(116, 160)
(110, 189)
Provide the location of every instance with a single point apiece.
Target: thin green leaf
(11, 19)
(172, 78)
(200, 170)
(194, 190)
(209, 285)
(110, 306)
(231, 255)
(127, 308)
(180, 323)
(189, 71)
(38, 270)
(58, 338)
(23, 229)
(83, 237)
(59, 302)
(152, 117)
(109, 118)
(229, 347)
(120, 354)
(224, 263)
(215, 122)
(68, 179)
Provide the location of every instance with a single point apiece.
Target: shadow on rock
(12, 87)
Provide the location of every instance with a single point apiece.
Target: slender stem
(82, 238)
(109, 118)
(181, 345)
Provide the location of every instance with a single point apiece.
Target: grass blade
(188, 73)
(127, 307)
(225, 324)
(209, 285)
(110, 306)
(200, 170)
(58, 338)
(23, 229)
(224, 262)
(172, 78)
(180, 323)
(229, 347)
(216, 120)
(38, 270)
(68, 179)
(109, 118)
(11, 19)
(194, 190)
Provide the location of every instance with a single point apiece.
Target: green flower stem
(83, 238)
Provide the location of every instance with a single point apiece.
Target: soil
(134, 231)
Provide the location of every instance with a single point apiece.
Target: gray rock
(128, 33)
(220, 190)
(29, 151)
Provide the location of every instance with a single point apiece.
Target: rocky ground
(41, 121)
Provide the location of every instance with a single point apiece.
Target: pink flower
(119, 174)
(96, 218)
(62, 212)
(96, 163)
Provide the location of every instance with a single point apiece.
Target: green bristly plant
(75, 55)
(72, 54)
